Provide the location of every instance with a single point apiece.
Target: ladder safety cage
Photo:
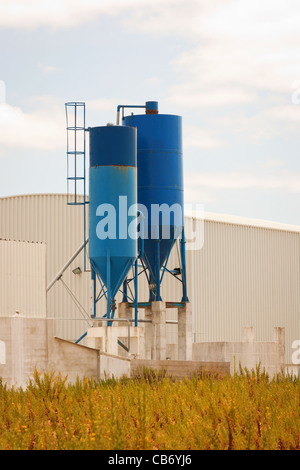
(76, 153)
(76, 161)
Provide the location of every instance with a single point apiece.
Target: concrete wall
(113, 366)
(248, 353)
(29, 343)
(24, 347)
(293, 369)
(179, 369)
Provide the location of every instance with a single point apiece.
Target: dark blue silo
(160, 184)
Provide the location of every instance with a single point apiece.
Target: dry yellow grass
(247, 411)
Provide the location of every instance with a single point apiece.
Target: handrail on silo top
(122, 106)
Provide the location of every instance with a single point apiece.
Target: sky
(230, 68)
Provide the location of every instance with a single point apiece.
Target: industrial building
(216, 291)
(246, 273)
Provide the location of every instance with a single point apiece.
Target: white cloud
(240, 180)
(185, 18)
(47, 69)
(271, 163)
(245, 55)
(63, 13)
(152, 81)
(193, 137)
(199, 195)
(280, 120)
(2, 92)
(191, 95)
(102, 104)
(42, 129)
(53, 13)
(288, 113)
(166, 17)
(149, 16)
(259, 18)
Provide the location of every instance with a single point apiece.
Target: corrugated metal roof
(208, 216)
(245, 221)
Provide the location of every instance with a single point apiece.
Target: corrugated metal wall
(246, 274)
(48, 219)
(22, 279)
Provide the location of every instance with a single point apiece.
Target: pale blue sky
(231, 68)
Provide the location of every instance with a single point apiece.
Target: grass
(151, 411)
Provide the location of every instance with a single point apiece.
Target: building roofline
(245, 221)
(205, 216)
(36, 194)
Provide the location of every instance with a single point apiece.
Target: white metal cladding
(48, 219)
(246, 273)
(22, 279)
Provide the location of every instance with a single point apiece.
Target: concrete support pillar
(279, 337)
(185, 333)
(92, 298)
(155, 332)
(159, 334)
(148, 333)
(17, 340)
(111, 339)
(124, 311)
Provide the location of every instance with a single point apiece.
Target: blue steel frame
(103, 293)
(161, 270)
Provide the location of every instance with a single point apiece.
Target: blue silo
(160, 189)
(112, 190)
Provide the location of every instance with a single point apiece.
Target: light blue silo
(113, 203)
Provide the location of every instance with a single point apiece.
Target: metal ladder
(76, 159)
(76, 143)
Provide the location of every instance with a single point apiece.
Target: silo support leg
(183, 262)
(157, 273)
(185, 335)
